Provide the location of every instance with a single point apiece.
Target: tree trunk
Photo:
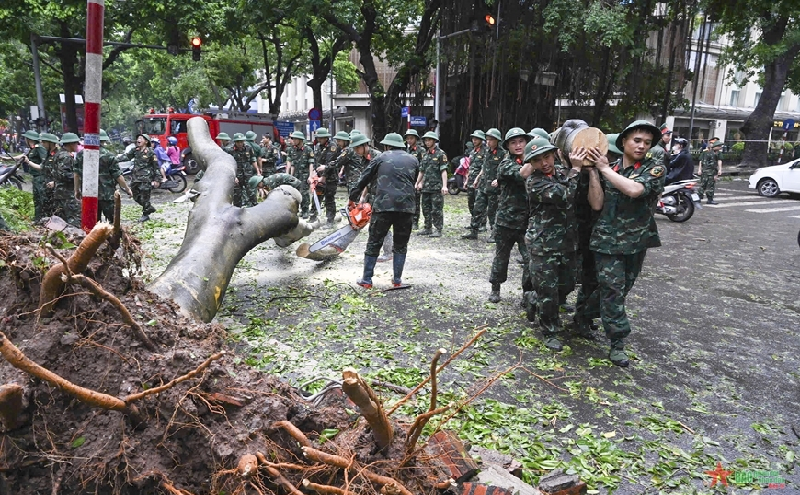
(219, 234)
(758, 125)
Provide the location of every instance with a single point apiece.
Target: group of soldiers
(574, 215)
(57, 165)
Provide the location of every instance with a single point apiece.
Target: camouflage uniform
(512, 217)
(486, 195)
(417, 152)
(327, 156)
(59, 169)
(621, 236)
(434, 161)
(37, 155)
(245, 159)
(276, 180)
(258, 152)
(107, 173)
(587, 306)
(269, 159)
(708, 161)
(301, 158)
(476, 158)
(551, 241)
(145, 171)
(356, 166)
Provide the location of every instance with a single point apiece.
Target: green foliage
(345, 74)
(738, 146)
(16, 207)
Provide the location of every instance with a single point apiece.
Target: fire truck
(171, 123)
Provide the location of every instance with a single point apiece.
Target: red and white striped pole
(93, 87)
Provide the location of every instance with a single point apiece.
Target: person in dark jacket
(681, 166)
(394, 174)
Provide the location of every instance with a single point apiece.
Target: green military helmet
(515, 132)
(32, 135)
(342, 136)
(355, 132)
(412, 132)
(494, 133)
(104, 136)
(612, 143)
(223, 136)
(536, 147)
(146, 138)
(250, 135)
(638, 124)
(239, 137)
(254, 180)
(479, 134)
(469, 146)
(538, 131)
(322, 132)
(358, 140)
(394, 140)
(46, 136)
(430, 135)
(70, 137)
(297, 135)
(716, 144)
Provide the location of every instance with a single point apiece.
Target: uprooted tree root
(190, 424)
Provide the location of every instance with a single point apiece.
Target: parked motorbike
(456, 184)
(10, 177)
(176, 176)
(679, 200)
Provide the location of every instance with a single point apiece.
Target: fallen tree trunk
(219, 234)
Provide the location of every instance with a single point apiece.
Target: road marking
(736, 198)
(728, 205)
(773, 210)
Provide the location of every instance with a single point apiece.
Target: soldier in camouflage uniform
(710, 170)
(660, 150)
(512, 213)
(325, 155)
(265, 184)
(486, 183)
(414, 148)
(476, 159)
(145, 174)
(394, 174)
(50, 144)
(34, 159)
(432, 183)
(108, 176)
(59, 177)
(363, 153)
(626, 227)
(346, 153)
(300, 163)
(551, 232)
(270, 156)
(245, 160)
(258, 151)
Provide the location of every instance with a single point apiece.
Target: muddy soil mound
(187, 439)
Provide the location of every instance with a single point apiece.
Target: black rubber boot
(494, 296)
(398, 263)
(369, 268)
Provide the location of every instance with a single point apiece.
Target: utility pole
(37, 77)
(95, 11)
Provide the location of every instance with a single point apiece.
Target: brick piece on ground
(557, 482)
(481, 489)
(446, 446)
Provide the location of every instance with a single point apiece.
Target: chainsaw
(358, 216)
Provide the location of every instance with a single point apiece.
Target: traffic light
(196, 43)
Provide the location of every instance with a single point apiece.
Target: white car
(771, 181)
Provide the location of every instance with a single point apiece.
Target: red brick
(451, 451)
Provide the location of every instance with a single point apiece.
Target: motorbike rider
(680, 166)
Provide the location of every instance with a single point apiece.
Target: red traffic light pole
(95, 11)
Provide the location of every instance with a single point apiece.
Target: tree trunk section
(219, 234)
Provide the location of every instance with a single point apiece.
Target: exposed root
(191, 374)
(308, 485)
(295, 433)
(52, 282)
(425, 381)
(248, 465)
(341, 462)
(416, 429)
(370, 406)
(10, 404)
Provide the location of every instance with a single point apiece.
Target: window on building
(782, 103)
(734, 98)
(757, 98)
(739, 78)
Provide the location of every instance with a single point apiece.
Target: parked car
(771, 181)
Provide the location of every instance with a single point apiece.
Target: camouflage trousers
(141, 194)
(707, 186)
(305, 193)
(485, 207)
(616, 274)
(505, 239)
(105, 207)
(65, 205)
(417, 199)
(587, 305)
(471, 194)
(400, 223)
(433, 209)
(39, 197)
(553, 275)
(330, 199)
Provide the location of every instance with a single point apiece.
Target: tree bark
(219, 234)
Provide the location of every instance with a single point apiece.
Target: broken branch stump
(370, 406)
(10, 404)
